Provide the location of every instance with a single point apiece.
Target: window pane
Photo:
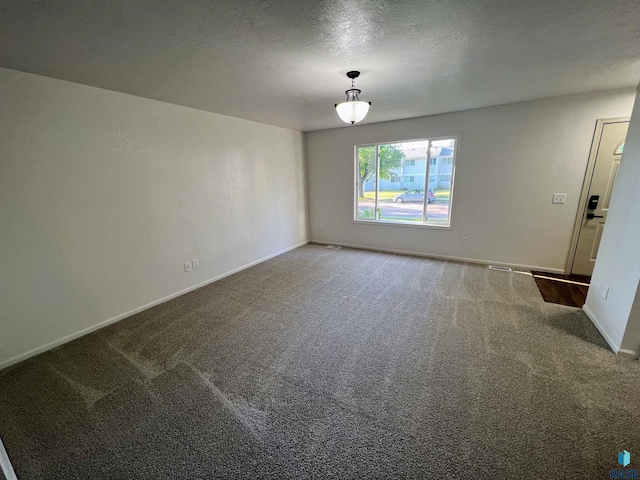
(402, 201)
(366, 194)
(440, 181)
(391, 182)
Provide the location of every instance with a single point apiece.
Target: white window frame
(399, 223)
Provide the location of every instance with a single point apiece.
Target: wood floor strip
(562, 289)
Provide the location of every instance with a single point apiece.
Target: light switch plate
(195, 263)
(559, 198)
(187, 266)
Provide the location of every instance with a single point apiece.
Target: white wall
(618, 262)
(104, 196)
(511, 160)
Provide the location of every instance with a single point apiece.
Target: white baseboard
(613, 345)
(442, 257)
(623, 352)
(104, 323)
(5, 463)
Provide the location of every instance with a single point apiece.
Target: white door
(610, 146)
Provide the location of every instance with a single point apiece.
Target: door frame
(586, 184)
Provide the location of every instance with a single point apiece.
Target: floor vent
(334, 247)
(502, 269)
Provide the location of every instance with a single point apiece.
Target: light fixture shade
(352, 111)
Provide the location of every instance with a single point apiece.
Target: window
(446, 161)
(385, 194)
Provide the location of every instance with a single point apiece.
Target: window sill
(402, 224)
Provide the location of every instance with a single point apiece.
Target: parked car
(416, 195)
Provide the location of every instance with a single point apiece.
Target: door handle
(591, 215)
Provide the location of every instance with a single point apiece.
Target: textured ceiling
(284, 62)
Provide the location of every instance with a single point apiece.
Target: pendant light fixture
(353, 110)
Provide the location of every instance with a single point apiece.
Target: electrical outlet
(195, 263)
(559, 198)
(188, 267)
(605, 293)
(463, 240)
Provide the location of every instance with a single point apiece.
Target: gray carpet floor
(328, 363)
